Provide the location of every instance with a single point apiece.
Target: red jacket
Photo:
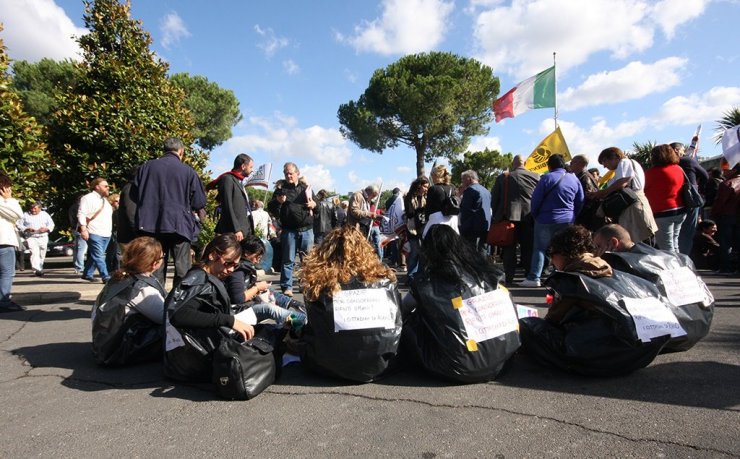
(663, 187)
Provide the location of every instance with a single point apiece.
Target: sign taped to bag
(361, 309)
(488, 316)
(652, 318)
(173, 338)
(682, 286)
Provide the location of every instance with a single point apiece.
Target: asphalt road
(56, 402)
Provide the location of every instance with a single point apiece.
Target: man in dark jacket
(296, 221)
(698, 178)
(168, 194)
(520, 184)
(589, 214)
(475, 210)
(236, 211)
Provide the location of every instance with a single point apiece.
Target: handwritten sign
(526, 311)
(488, 315)
(652, 318)
(173, 338)
(682, 286)
(364, 308)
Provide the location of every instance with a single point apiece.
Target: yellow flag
(553, 144)
(605, 178)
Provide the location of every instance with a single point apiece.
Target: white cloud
(698, 108)
(481, 143)
(670, 14)
(35, 29)
(406, 26)
(590, 141)
(633, 81)
(404, 169)
(173, 29)
(282, 140)
(358, 183)
(351, 76)
(271, 43)
(519, 39)
(318, 176)
(291, 68)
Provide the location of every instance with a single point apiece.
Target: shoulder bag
(451, 204)
(691, 197)
(502, 234)
(615, 203)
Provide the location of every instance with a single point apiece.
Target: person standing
(324, 218)
(36, 225)
(10, 212)
(236, 211)
(296, 220)
(698, 178)
(513, 192)
(168, 194)
(589, 216)
(80, 247)
(262, 221)
(475, 211)
(362, 214)
(663, 184)
(113, 252)
(556, 201)
(95, 223)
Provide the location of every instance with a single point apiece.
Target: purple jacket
(562, 204)
(167, 193)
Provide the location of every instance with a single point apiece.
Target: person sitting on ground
(587, 329)
(197, 307)
(705, 251)
(354, 318)
(436, 334)
(128, 313)
(247, 292)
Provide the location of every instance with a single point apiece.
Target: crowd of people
(354, 323)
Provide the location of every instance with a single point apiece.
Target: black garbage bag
(594, 335)
(435, 334)
(121, 337)
(689, 297)
(341, 345)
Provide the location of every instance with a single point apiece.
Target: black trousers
(524, 232)
(180, 249)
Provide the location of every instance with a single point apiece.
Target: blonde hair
(441, 175)
(344, 254)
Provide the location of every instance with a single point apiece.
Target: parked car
(60, 247)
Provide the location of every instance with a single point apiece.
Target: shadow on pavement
(31, 315)
(693, 384)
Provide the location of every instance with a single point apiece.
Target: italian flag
(535, 92)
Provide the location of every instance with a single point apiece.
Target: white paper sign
(364, 308)
(652, 318)
(488, 315)
(247, 316)
(682, 286)
(173, 338)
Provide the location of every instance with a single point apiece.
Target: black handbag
(691, 197)
(241, 371)
(451, 205)
(615, 203)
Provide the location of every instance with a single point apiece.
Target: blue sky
(628, 70)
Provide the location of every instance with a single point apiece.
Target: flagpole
(556, 89)
(267, 188)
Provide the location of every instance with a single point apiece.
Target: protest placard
(364, 308)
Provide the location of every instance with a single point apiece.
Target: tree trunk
(419, 159)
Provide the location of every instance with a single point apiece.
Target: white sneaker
(529, 283)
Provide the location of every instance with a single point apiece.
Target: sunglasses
(229, 263)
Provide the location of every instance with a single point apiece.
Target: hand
(5, 192)
(84, 234)
(311, 204)
(281, 199)
(247, 331)
(239, 235)
(262, 286)
(43, 229)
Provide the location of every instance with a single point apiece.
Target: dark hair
(594, 170)
(418, 183)
(663, 155)
(252, 245)
(242, 158)
(677, 145)
(5, 181)
(139, 256)
(448, 256)
(220, 245)
(610, 153)
(555, 162)
(173, 144)
(571, 242)
(706, 224)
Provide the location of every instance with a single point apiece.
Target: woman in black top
(436, 197)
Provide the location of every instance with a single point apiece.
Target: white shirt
(262, 221)
(102, 225)
(10, 212)
(630, 168)
(31, 221)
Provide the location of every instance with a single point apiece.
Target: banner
(260, 177)
(553, 144)
(731, 145)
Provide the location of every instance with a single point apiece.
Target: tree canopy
(730, 119)
(487, 163)
(120, 109)
(214, 109)
(434, 102)
(41, 83)
(23, 155)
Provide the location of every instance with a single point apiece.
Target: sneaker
(529, 283)
(38, 273)
(288, 292)
(89, 279)
(11, 307)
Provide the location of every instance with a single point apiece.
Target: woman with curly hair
(354, 319)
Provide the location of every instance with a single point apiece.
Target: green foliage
(23, 155)
(730, 119)
(641, 153)
(487, 163)
(215, 110)
(119, 111)
(434, 102)
(40, 85)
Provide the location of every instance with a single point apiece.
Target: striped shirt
(34, 222)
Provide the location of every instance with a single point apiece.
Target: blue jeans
(7, 271)
(669, 229)
(289, 240)
(79, 252)
(96, 246)
(279, 315)
(688, 229)
(375, 241)
(543, 233)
